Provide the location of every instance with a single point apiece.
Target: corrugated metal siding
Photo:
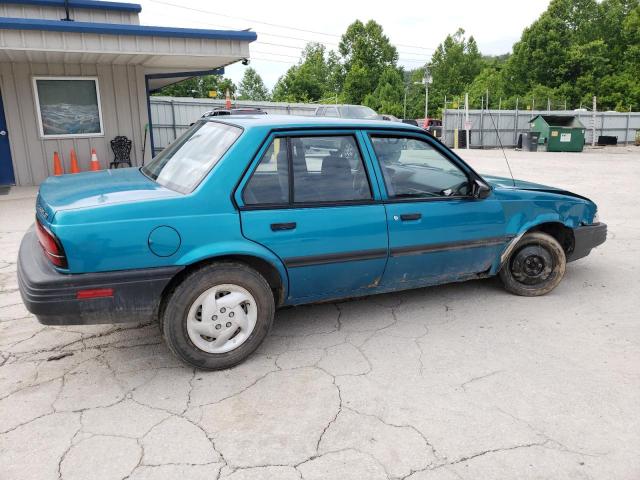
(124, 112)
(79, 14)
(510, 123)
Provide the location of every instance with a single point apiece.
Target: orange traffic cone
(57, 164)
(228, 100)
(74, 162)
(94, 166)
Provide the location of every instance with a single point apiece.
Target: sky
(284, 27)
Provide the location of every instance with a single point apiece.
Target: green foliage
(252, 87)
(577, 49)
(388, 95)
(307, 81)
(574, 50)
(199, 87)
(366, 53)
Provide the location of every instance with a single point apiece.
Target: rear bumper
(51, 295)
(586, 238)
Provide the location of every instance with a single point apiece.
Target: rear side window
(318, 169)
(328, 169)
(183, 164)
(269, 184)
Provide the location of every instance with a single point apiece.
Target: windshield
(358, 111)
(183, 164)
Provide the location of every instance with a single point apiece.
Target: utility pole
(467, 124)
(404, 110)
(593, 121)
(427, 81)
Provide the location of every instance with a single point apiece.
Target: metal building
(76, 74)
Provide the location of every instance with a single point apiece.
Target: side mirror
(480, 189)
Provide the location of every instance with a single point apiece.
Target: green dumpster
(560, 133)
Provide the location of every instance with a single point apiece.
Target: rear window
(184, 163)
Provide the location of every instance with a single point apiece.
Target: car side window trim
(469, 172)
(286, 135)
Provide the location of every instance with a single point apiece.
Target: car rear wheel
(535, 266)
(218, 315)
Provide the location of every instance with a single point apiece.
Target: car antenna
(501, 147)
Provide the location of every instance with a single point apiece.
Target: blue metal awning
(94, 4)
(121, 29)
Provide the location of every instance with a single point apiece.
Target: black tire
(535, 266)
(180, 300)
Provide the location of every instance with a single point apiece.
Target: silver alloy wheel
(222, 318)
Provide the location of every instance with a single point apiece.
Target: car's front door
(308, 198)
(438, 232)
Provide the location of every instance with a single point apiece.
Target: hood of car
(508, 183)
(94, 189)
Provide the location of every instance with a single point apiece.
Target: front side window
(326, 169)
(183, 164)
(68, 106)
(412, 168)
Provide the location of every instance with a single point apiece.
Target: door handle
(410, 216)
(3, 132)
(277, 227)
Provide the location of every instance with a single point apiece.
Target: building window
(68, 106)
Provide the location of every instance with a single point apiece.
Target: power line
(314, 32)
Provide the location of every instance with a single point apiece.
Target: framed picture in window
(68, 107)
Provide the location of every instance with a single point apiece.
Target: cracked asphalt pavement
(455, 382)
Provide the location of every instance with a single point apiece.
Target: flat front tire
(535, 266)
(218, 315)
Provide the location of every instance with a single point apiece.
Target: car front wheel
(535, 266)
(218, 315)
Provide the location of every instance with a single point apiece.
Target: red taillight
(51, 246)
(94, 293)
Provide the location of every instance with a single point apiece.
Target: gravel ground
(455, 382)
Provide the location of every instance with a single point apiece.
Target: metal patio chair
(121, 147)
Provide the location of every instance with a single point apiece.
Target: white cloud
(415, 27)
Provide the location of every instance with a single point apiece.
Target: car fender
(519, 225)
(236, 247)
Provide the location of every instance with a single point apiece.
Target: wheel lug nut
(222, 310)
(231, 314)
(228, 324)
(215, 317)
(218, 326)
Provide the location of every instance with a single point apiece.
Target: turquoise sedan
(245, 214)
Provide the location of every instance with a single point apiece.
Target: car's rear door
(309, 198)
(438, 232)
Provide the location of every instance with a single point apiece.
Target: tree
(388, 95)
(252, 87)
(454, 65)
(306, 81)
(366, 52)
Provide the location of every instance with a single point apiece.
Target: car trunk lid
(95, 189)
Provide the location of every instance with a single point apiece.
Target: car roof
(298, 121)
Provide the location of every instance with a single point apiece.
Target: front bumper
(586, 238)
(51, 295)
